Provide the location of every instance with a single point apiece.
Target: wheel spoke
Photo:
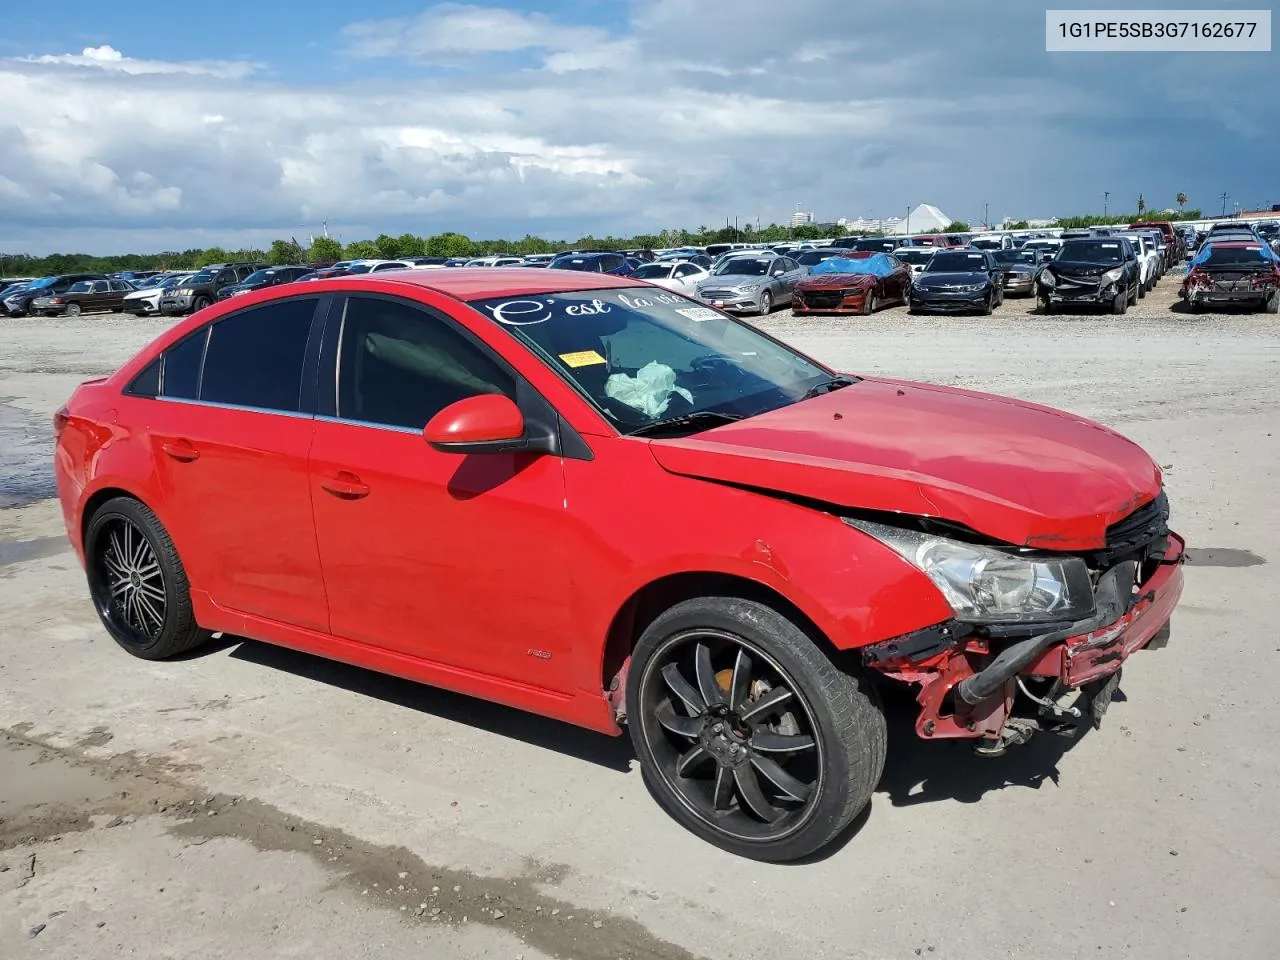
(152, 591)
(767, 704)
(722, 797)
(119, 587)
(116, 551)
(151, 612)
(766, 741)
(684, 726)
(683, 689)
(149, 571)
(707, 684)
(740, 686)
(784, 781)
(751, 794)
(143, 552)
(691, 759)
(126, 557)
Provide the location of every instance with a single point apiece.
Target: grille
(717, 294)
(1145, 532)
(822, 299)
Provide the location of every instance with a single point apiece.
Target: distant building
(800, 218)
(925, 218)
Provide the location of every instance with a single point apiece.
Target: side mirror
(489, 423)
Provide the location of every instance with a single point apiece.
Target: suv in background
(87, 296)
(202, 289)
(267, 277)
(18, 304)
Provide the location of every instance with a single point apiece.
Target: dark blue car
(614, 264)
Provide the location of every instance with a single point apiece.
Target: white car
(378, 266)
(1148, 260)
(915, 257)
(496, 262)
(145, 301)
(674, 275)
(992, 241)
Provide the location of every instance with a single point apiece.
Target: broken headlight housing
(990, 585)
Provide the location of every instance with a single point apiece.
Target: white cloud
(109, 58)
(689, 115)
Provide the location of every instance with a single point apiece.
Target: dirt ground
(252, 802)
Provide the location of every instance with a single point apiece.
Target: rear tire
(689, 706)
(138, 584)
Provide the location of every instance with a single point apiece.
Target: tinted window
(685, 270)
(182, 361)
(400, 366)
(255, 357)
(119, 286)
(147, 383)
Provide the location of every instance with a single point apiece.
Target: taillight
(60, 421)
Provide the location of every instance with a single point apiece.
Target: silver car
(755, 282)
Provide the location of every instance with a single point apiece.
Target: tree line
(448, 244)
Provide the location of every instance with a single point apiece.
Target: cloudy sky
(132, 127)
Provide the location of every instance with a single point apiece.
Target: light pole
(1106, 195)
(1224, 203)
(986, 215)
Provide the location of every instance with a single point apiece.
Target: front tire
(1121, 303)
(73, 310)
(200, 304)
(870, 304)
(766, 304)
(138, 584)
(1272, 303)
(747, 734)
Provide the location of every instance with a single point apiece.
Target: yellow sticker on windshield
(583, 358)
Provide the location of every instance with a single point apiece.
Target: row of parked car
(1112, 267)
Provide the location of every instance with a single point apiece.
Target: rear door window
(255, 357)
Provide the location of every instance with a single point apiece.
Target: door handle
(181, 450)
(345, 486)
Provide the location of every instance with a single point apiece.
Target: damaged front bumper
(969, 679)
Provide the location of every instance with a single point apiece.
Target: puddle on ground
(19, 551)
(26, 457)
(1223, 557)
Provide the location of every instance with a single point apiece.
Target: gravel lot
(254, 802)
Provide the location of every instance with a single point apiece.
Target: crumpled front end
(996, 682)
(832, 294)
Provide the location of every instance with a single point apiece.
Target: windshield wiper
(698, 420)
(826, 386)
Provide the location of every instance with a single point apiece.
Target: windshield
(742, 267)
(985, 243)
(42, 283)
(877, 244)
(1015, 256)
(84, 286)
(12, 288)
(641, 356)
(586, 265)
(259, 276)
(957, 263)
(204, 276)
(1092, 251)
(809, 257)
(914, 255)
(360, 268)
(653, 271)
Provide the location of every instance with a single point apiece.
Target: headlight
(975, 287)
(986, 585)
(747, 287)
(1113, 276)
(1047, 279)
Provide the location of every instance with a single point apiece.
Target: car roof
(481, 283)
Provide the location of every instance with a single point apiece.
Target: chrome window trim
(296, 414)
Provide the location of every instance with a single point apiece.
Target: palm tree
(1182, 200)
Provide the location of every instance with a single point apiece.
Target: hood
(1082, 268)
(1014, 471)
(140, 294)
(731, 280)
(935, 279)
(835, 281)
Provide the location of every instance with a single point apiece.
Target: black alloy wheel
(138, 585)
(747, 734)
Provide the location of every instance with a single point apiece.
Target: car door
(448, 558)
(230, 433)
(685, 275)
(119, 288)
(95, 298)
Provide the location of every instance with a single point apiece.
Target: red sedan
(597, 500)
(860, 281)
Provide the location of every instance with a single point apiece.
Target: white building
(925, 218)
(800, 218)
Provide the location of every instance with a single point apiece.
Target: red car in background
(1174, 238)
(855, 282)
(593, 499)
